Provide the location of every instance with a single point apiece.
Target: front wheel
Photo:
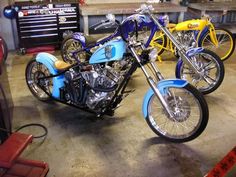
(34, 71)
(190, 112)
(212, 69)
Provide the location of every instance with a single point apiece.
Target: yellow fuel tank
(197, 24)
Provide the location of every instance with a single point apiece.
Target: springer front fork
(151, 81)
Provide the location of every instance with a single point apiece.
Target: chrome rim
(185, 107)
(69, 48)
(37, 70)
(210, 72)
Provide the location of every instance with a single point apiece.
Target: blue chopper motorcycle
(201, 67)
(174, 109)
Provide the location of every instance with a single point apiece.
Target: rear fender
(162, 87)
(48, 60)
(80, 37)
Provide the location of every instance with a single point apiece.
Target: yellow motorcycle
(197, 32)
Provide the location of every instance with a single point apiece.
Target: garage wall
(6, 27)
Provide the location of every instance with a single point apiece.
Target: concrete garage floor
(79, 145)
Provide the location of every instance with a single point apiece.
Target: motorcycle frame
(121, 90)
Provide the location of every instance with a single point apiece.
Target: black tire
(195, 132)
(228, 49)
(184, 72)
(69, 44)
(31, 77)
(4, 48)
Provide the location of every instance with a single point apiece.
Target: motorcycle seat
(61, 65)
(92, 40)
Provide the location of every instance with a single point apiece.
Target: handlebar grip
(137, 10)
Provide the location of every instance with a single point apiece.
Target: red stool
(13, 166)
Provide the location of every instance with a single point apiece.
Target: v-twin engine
(94, 85)
(103, 82)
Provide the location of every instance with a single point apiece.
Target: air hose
(24, 126)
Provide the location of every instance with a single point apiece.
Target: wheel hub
(180, 109)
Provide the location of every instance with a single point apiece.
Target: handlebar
(145, 9)
(104, 24)
(111, 20)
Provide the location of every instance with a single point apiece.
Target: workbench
(205, 7)
(126, 8)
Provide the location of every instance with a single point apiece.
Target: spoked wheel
(69, 50)
(226, 43)
(35, 71)
(159, 42)
(190, 112)
(212, 72)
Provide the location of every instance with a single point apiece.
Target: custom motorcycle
(201, 67)
(197, 32)
(173, 108)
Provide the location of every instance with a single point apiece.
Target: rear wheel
(70, 48)
(190, 114)
(35, 71)
(226, 43)
(212, 71)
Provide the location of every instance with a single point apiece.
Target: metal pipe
(152, 84)
(178, 45)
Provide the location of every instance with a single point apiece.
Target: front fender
(48, 60)
(162, 87)
(191, 52)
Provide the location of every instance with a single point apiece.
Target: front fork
(213, 35)
(152, 83)
(178, 45)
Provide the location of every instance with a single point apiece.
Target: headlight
(153, 55)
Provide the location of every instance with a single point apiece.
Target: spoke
(223, 41)
(206, 77)
(210, 43)
(164, 125)
(210, 68)
(195, 83)
(154, 102)
(184, 126)
(188, 72)
(208, 64)
(223, 37)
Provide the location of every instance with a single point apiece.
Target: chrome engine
(101, 81)
(186, 38)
